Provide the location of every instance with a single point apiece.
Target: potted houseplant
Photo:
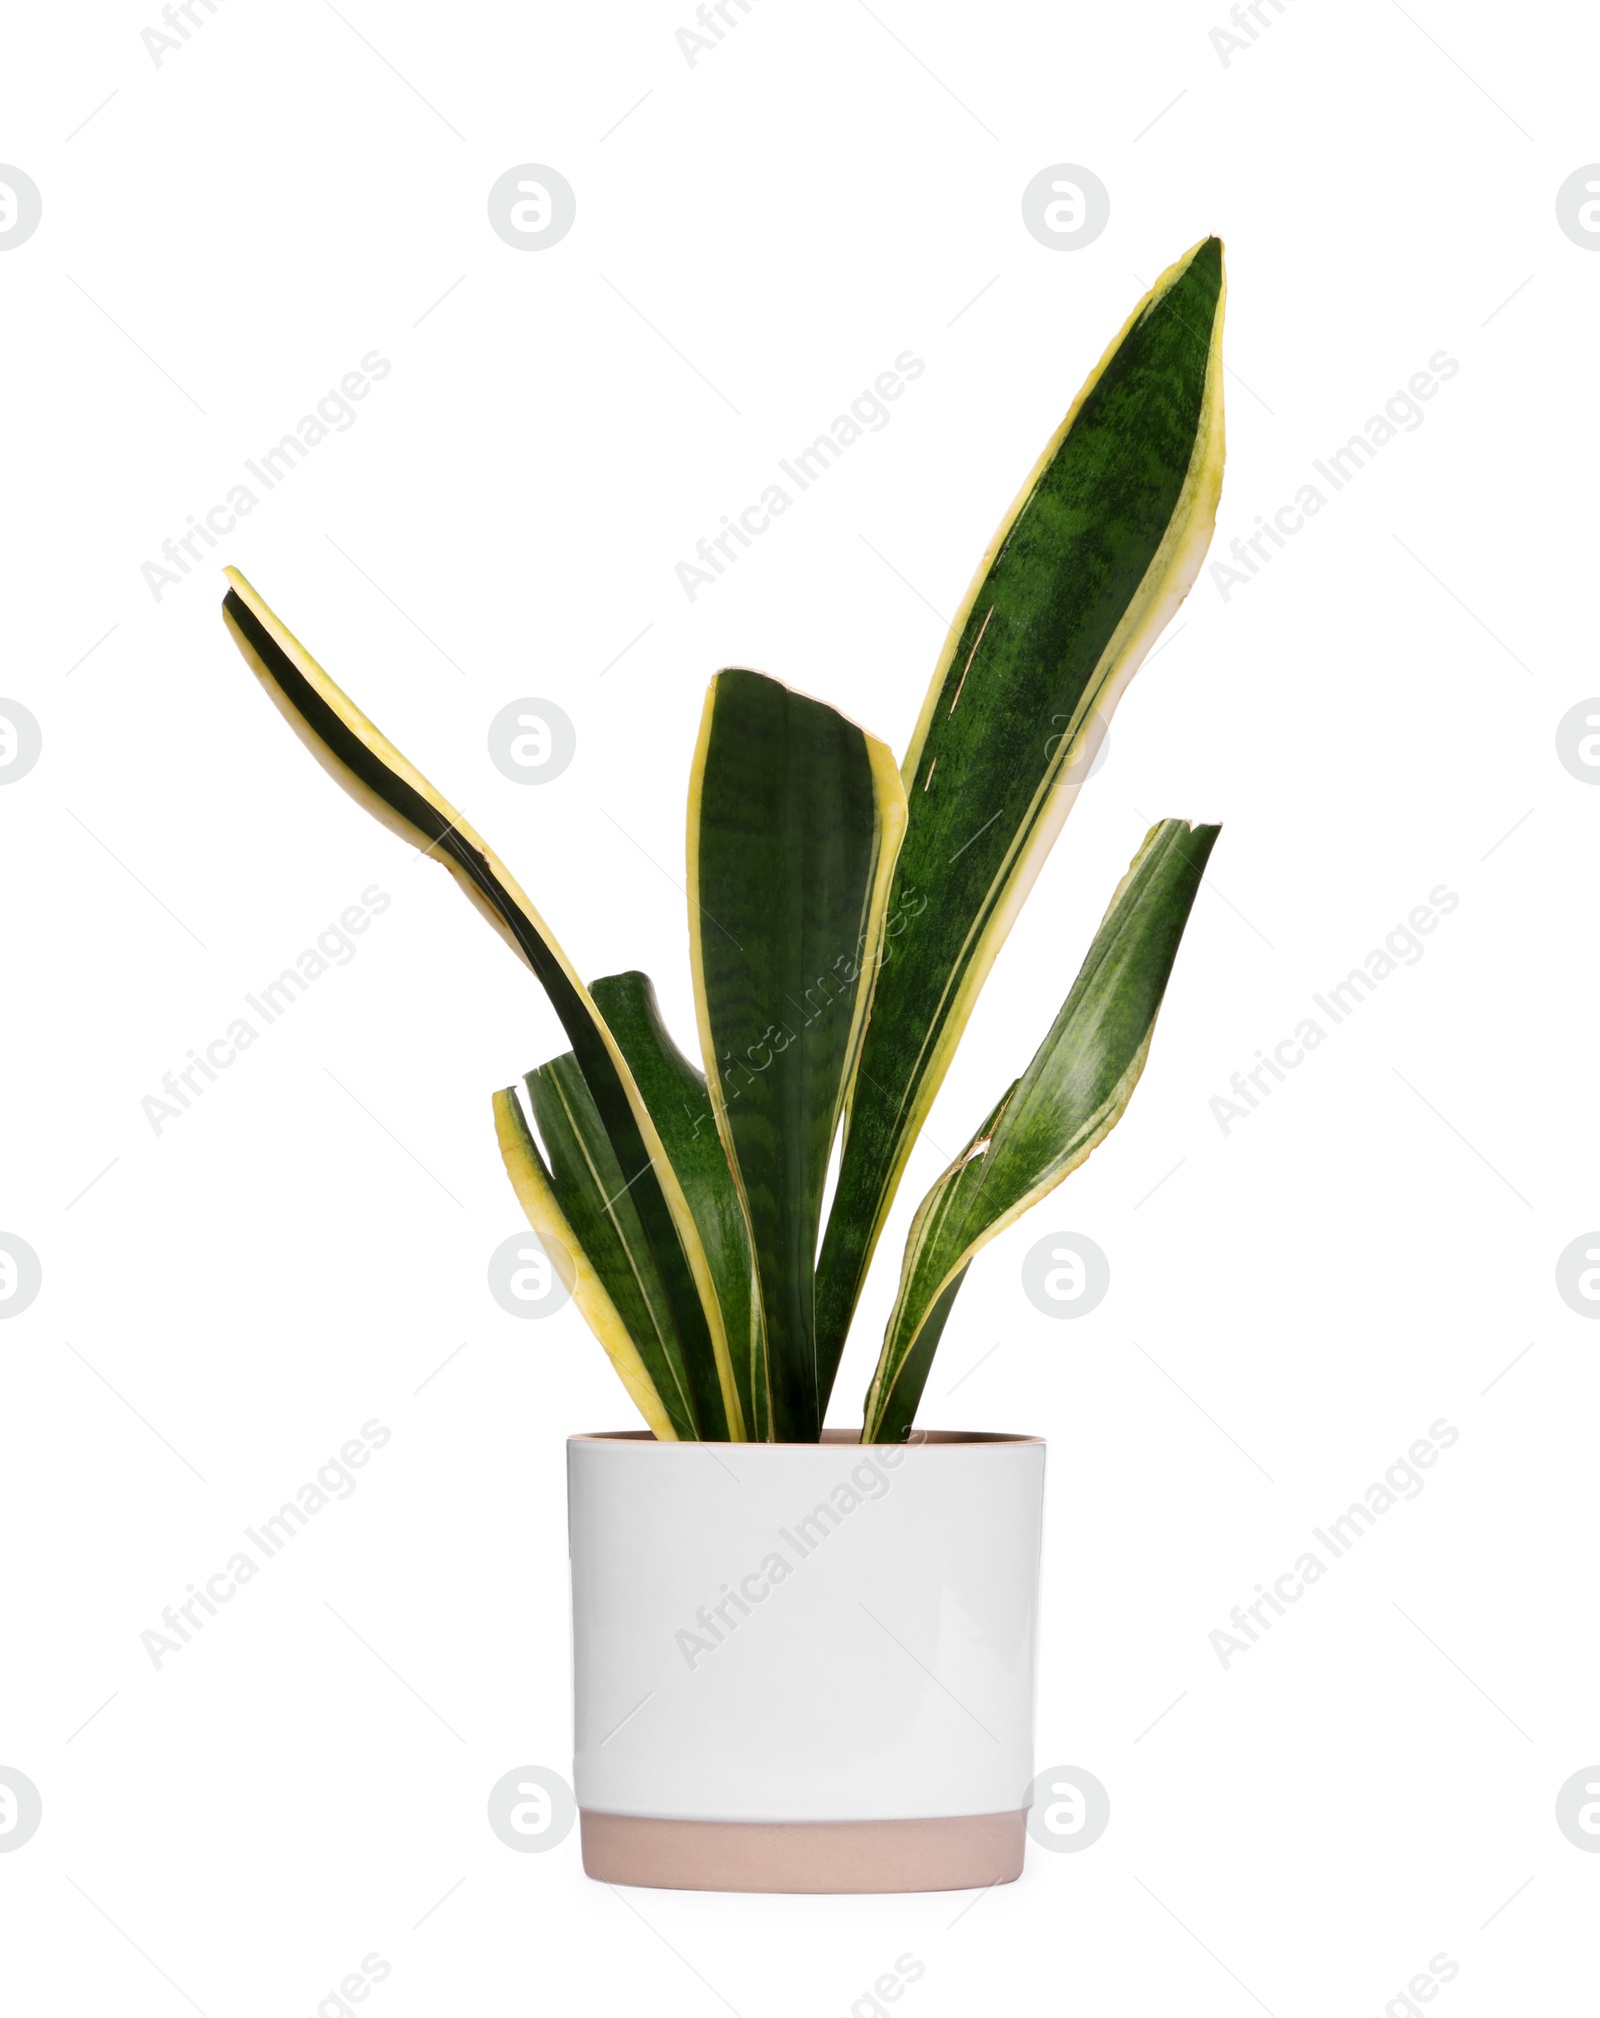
(829, 1634)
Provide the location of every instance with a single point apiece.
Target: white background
(231, 1299)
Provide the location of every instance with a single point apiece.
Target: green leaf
(675, 1092)
(363, 760)
(1066, 1103)
(795, 816)
(592, 1189)
(534, 1185)
(1086, 569)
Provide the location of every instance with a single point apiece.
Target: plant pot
(804, 1667)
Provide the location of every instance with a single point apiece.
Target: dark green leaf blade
(1100, 548)
(675, 1092)
(356, 753)
(593, 1191)
(795, 815)
(1070, 1098)
(534, 1185)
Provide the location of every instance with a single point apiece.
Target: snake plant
(844, 912)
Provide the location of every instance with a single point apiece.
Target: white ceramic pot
(804, 1667)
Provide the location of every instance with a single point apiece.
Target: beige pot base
(953, 1853)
